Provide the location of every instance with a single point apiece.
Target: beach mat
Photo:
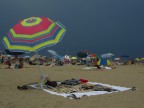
(78, 95)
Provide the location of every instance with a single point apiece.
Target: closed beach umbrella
(33, 34)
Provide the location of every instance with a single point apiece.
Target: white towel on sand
(90, 93)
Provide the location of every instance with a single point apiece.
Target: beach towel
(78, 95)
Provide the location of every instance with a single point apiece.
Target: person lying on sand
(108, 67)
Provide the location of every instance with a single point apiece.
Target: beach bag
(83, 80)
(51, 83)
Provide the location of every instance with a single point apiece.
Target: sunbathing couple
(17, 65)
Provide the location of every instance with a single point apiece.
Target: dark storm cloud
(97, 25)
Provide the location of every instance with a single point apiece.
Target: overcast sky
(100, 26)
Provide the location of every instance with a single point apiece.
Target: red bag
(83, 80)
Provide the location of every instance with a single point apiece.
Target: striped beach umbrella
(104, 62)
(33, 34)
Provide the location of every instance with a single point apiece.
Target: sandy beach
(124, 76)
(71, 54)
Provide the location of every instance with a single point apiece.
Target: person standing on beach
(2, 60)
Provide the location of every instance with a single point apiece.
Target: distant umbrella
(137, 59)
(86, 51)
(13, 53)
(82, 54)
(107, 55)
(116, 58)
(58, 57)
(104, 62)
(52, 52)
(74, 58)
(92, 55)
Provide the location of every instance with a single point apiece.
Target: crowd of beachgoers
(16, 62)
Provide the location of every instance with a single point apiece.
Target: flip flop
(73, 96)
(22, 87)
(19, 87)
(133, 88)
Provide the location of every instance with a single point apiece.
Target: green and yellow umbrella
(137, 59)
(74, 58)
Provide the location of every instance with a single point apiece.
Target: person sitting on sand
(108, 67)
(48, 82)
(8, 62)
(19, 65)
(32, 63)
(53, 62)
(96, 64)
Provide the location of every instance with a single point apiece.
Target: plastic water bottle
(42, 79)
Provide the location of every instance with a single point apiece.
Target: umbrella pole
(42, 78)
